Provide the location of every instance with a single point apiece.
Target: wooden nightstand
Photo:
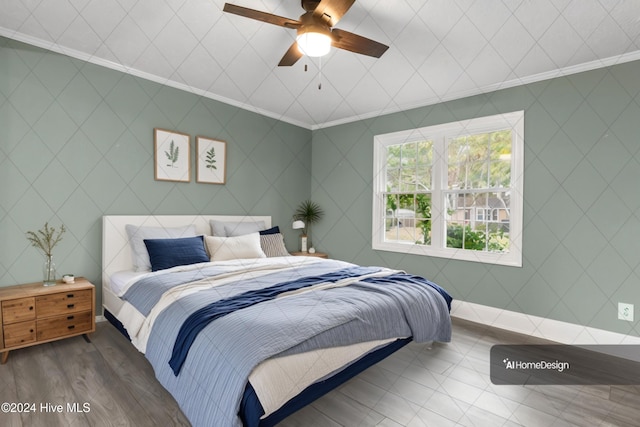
(32, 314)
(317, 254)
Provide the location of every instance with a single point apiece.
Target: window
(452, 190)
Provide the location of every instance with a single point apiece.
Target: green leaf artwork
(172, 154)
(211, 159)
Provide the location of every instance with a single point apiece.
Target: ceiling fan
(316, 32)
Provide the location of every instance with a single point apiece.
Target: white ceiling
(439, 49)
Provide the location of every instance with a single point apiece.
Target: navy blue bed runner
(199, 319)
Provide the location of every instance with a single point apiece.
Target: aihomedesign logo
(542, 365)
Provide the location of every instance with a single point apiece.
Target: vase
(49, 271)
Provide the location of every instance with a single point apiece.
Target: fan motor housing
(309, 5)
(310, 24)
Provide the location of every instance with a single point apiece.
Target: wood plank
(40, 380)
(95, 383)
(136, 373)
(8, 393)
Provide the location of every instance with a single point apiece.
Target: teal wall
(76, 143)
(581, 242)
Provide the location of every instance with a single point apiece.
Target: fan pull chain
(320, 73)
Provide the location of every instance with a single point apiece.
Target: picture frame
(211, 160)
(172, 155)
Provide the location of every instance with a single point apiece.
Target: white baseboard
(553, 330)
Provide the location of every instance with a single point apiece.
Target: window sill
(510, 259)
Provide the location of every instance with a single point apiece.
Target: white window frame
(440, 134)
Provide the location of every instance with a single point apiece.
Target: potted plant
(308, 212)
(46, 239)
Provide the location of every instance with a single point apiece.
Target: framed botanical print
(211, 163)
(172, 155)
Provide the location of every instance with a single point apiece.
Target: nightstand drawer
(19, 333)
(18, 310)
(64, 302)
(60, 326)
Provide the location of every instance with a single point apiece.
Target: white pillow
(231, 228)
(237, 247)
(137, 234)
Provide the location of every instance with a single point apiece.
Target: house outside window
(452, 190)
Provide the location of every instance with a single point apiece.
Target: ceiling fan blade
(269, 18)
(358, 44)
(291, 57)
(332, 10)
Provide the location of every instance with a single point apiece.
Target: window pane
(425, 152)
(478, 147)
(500, 158)
(424, 166)
(424, 178)
(462, 216)
(408, 218)
(423, 219)
(457, 158)
(409, 155)
(393, 180)
(498, 222)
(478, 221)
(408, 179)
(390, 228)
(400, 220)
(393, 156)
(480, 161)
(477, 175)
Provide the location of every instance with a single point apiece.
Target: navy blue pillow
(167, 253)
(272, 230)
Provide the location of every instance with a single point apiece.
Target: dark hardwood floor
(108, 383)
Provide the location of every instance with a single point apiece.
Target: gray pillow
(273, 245)
(231, 229)
(137, 235)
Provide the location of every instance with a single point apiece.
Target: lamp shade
(297, 225)
(314, 44)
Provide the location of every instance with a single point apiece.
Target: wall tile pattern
(76, 143)
(582, 204)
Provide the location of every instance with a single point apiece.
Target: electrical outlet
(625, 311)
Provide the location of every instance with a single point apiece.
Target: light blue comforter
(214, 375)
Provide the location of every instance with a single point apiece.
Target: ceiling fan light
(314, 44)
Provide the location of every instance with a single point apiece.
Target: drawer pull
(69, 317)
(70, 305)
(31, 330)
(71, 326)
(70, 295)
(31, 308)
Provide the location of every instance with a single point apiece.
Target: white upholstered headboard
(116, 252)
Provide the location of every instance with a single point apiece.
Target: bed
(247, 335)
